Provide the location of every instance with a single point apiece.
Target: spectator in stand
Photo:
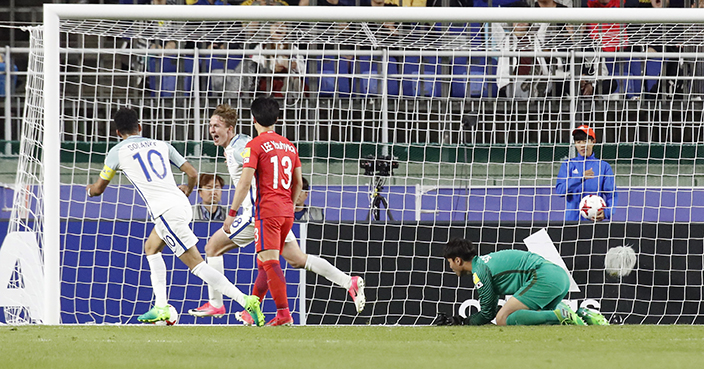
(306, 212)
(210, 193)
(276, 2)
(613, 37)
(656, 67)
(205, 2)
(137, 62)
(529, 76)
(146, 2)
(288, 71)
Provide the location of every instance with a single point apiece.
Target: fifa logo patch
(478, 283)
(246, 152)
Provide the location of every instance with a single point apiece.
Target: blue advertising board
(105, 275)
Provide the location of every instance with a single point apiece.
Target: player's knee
(297, 262)
(213, 249)
(294, 256)
(501, 319)
(210, 250)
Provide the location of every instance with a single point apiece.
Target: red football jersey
(273, 158)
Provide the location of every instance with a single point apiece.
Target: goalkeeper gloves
(443, 319)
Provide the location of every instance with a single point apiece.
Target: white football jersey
(234, 159)
(147, 164)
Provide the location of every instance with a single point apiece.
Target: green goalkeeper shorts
(549, 285)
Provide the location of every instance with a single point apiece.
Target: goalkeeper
(537, 285)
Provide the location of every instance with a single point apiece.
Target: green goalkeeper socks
(532, 317)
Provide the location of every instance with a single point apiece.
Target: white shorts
(174, 228)
(242, 231)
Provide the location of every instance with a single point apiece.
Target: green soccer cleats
(253, 307)
(155, 314)
(592, 317)
(567, 316)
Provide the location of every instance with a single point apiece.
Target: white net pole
(52, 165)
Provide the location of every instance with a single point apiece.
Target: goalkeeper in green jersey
(537, 285)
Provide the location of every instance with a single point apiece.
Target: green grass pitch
(200, 347)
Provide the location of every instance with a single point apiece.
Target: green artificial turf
(222, 347)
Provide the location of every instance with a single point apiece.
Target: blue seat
(478, 86)
(422, 81)
(331, 82)
(215, 62)
(479, 66)
(218, 64)
(13, 79)
(494, 3)
(368, 83)
(166, 85)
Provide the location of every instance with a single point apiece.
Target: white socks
(217, 263)
(218, 281)
(322, 267)
(157, 274)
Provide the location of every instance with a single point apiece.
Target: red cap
(585, 128)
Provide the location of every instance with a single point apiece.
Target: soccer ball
(619, 261)
(590, 206)
(173, 317)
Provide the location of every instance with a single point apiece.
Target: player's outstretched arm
(241, 191)
(97, 188)
(192, 174)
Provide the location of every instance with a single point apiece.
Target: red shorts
(270, 233)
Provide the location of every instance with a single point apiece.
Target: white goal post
(415, 172)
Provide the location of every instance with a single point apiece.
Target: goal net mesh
(409, 134)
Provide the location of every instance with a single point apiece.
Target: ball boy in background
(585, 175)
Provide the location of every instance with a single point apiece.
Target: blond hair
(227, 113)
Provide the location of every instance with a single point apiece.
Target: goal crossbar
(361, 14)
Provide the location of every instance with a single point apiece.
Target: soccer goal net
(413, 125)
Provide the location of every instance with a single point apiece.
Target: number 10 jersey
(147, 164)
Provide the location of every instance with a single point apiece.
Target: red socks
(277, 286)
(260, 284)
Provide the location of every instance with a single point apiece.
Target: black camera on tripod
(379, 168)
(383, 165)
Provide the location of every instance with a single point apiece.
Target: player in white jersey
(222, 130)
(146, 163)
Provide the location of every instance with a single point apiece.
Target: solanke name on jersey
(141, 145)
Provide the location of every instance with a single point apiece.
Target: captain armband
(107, 173)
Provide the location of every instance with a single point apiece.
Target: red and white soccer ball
(590, 206)
(173, 317)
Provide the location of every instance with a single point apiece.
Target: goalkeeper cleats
(208, 310)
(592, 317)
(252, 305)
(567, 316)
(244, 317)
(155, 314)
(357, 293)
